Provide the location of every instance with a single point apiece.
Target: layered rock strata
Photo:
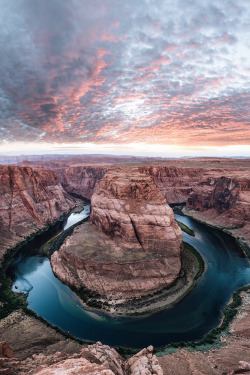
(218, 192)
(97, 359)
(191, 181)
(30, 199)
(224, 202)
(130, 248)
(80, 180)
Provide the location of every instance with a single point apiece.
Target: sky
(165, 78)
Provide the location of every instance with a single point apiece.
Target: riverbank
(10, 301)
(192, 269)
(243, 243)
(220, 357)
(185, 228)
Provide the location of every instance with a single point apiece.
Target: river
(226, 270)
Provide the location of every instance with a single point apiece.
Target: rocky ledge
(130, 248)
(93, 360)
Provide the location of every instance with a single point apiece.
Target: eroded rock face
(78, 366)
(223, 201)
(204, 184)
(97, 359)
(175, 183)
(29, 200)
(131, 247)
(5, 350)
(128, 207)
(80, 180)
(144, 362)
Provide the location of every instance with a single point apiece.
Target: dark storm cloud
(118, 71)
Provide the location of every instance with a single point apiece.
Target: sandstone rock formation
(223, 201)
(175, 183)
(132, 246)
(128, 207)
(97, 359)
(5, 350)
(29, 200)
(80, 180)
(143, 362)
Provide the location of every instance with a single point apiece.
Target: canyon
(215, 191)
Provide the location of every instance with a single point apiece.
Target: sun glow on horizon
(135, 148)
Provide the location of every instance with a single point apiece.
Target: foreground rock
(97, 359)
(230, 358)
(27, 335)
(131, 247)
(29, 200)
(5, 350)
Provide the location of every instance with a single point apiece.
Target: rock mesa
(131, 246)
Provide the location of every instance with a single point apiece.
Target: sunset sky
(163, 77)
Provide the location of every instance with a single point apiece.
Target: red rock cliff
(223, 201)
(29, 200)
(80, 180)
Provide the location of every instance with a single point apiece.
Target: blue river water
(226, 270)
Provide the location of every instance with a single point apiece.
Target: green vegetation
(185, 228)
(55, 243)
(245, 248)
(125, 351)
(212, 338)
(199, 258)
(9, 301)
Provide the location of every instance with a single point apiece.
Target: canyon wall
(30, 199)
(174, 183)
(80, 180)
(224, 202)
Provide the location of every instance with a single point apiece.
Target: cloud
(115, 71)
